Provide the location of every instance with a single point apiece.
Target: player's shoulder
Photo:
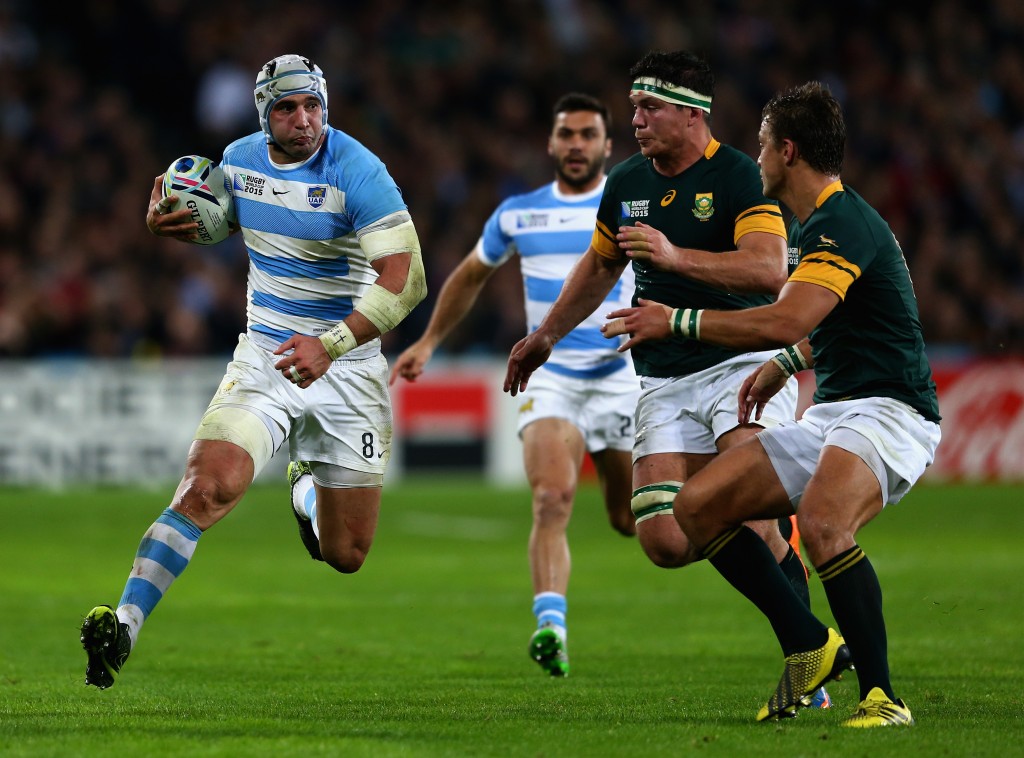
(728, 154)
(734, 178)
(632, 164)
(847, 202)
(245, 148)
(844, 209)
(344, 149)
(540, 196)
(857, 217)
(845, 225)
(726, 161)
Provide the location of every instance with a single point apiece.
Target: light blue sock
(550, 608)
(309, 506)
(164, 552)
(305, 501)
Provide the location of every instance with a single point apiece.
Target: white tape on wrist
(338, 340)
(686, 322)
(790, 360)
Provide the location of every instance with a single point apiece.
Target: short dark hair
(812, 118)
(579, 101)
(681, 68)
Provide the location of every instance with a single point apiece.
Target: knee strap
(240, 427)
(654, 500)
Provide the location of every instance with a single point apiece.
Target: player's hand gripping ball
(199, 186)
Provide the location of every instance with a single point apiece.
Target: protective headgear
(287, 75)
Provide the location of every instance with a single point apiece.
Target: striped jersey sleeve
(760, 218)
(827, 270)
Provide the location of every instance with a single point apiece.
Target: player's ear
(790, 152)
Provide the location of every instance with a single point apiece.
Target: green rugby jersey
(871, 344)
(709, 206)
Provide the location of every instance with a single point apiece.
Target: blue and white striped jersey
(550, 231)
(301, 225)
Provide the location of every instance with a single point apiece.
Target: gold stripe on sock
(712, 548)
(831, 572)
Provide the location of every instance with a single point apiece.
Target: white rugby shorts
(893, 439)
(602, 409)
(687, 414)
(343, 418)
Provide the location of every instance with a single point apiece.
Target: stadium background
(455, 97)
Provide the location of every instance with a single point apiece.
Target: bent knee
(823, 537)
(344, 561)
(205, 499)
(698, 519)
(664, 557)
(664, 543)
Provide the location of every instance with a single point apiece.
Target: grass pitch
(258, 651)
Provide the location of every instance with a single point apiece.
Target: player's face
(579, 146)
(297, 124)
(660, 127)
(771, 162)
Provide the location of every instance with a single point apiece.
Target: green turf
(258, 650)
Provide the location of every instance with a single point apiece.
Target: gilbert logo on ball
(199, 186)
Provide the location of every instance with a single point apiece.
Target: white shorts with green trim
(893, 439)
(687, 414)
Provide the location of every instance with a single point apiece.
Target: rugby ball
(199, 186)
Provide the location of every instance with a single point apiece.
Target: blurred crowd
(455, 96)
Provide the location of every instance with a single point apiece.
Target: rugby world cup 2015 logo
(704, 206)
(531, 220)
(316, 196)
(635, 208)
(793, 258)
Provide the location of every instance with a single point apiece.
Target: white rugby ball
(199, 186)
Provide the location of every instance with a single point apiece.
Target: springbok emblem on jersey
(704, 205)
(826, 241)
